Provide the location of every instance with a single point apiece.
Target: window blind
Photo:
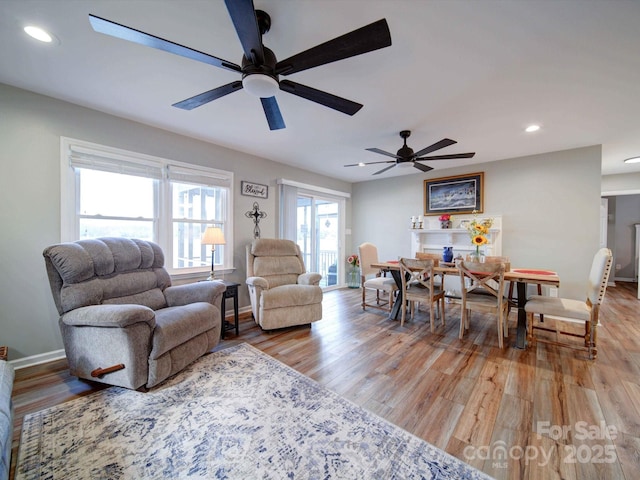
(201, 177)
(82, 157)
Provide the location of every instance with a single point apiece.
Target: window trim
(69, 197)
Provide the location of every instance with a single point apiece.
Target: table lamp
(213, 236)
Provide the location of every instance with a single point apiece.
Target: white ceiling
(476, 71)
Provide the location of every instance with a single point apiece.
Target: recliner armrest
(209, 291)
(258, 282)
(309, 278)
(110, 316)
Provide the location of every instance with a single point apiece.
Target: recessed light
(38, 33)
(361, 164)
(532, 128)
(632, 160)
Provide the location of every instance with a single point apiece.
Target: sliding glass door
(317, 236)
(315, 221)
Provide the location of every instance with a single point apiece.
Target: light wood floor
(546, 412)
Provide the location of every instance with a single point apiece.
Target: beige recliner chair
(122, 322)
(282, 293)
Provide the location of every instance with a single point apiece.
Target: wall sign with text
(251, 189)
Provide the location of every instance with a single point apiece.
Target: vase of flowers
(445, 220)
(353, 273)
(479, 231)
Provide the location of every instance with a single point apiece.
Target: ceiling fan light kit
(260, 85)
(259, 68)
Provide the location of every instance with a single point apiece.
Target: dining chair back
(418, 286)
(574, 311)
(499, 259)
(507, 267)
(436, 257)
(373, 279)
(482, 287)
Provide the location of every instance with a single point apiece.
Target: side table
(231, 292)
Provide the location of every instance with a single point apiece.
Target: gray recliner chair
(122, 322)
(282, 293)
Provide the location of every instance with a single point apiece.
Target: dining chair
(482, 287)
(436, 257)
(574, 311)
(372, 279)
(507, 266)
(499, 259)
(418, 286)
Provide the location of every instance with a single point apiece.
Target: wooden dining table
(522, 277)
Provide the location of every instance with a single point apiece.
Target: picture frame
(458, 194)
(251, 189)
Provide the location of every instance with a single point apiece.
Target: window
(111, 192)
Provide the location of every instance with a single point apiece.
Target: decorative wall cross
(257, 215)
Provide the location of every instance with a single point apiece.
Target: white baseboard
(624, 279)
(37, 359)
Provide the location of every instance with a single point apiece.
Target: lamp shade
(213, 236)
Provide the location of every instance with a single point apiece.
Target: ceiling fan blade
(384, 169)
(211, 95)
(369, 163)
(424, 168)
(323, 98)
(243, 16)
(272, 111)
(382, 152)
(123, 32)
(445, 142)
(366, 39)
(448, 157)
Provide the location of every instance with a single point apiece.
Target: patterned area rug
(234, 414)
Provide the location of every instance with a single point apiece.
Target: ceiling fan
(405, 157)
(259, 68)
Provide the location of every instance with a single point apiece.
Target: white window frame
(69, 197)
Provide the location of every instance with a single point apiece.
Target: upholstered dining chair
(372, 279)
(418, 286)
(482, 287)
(574, 311)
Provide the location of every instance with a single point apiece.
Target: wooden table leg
(521, 332)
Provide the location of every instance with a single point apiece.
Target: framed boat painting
(458, 194)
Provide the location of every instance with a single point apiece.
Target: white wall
(550, 207)
(30, 129)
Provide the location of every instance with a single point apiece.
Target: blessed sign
(254, 189)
